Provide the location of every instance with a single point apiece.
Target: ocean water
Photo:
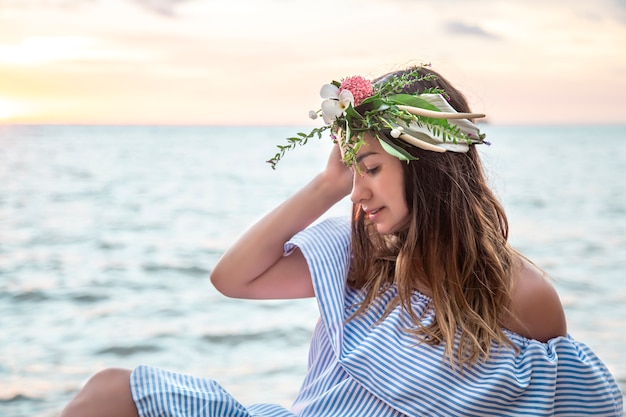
(108, 236)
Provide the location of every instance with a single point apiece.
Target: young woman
(425, 308)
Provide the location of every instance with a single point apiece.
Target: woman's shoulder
(537, 312)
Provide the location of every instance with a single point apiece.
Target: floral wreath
(356, 105)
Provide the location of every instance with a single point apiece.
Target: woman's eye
(373, 170)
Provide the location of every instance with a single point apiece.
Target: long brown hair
(454, 246)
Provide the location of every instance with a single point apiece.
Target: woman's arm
(254, 267)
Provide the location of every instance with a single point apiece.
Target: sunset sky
(262, 62)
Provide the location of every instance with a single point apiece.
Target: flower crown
(356, 105)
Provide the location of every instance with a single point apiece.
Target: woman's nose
(360, 192)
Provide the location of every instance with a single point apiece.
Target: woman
(425, 308)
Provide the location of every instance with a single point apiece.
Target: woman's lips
(372, 214)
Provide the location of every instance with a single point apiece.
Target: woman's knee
(110, 381)
(106, 392)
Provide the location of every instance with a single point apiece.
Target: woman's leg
(106, 394)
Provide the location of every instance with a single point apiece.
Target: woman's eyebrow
(364, 155)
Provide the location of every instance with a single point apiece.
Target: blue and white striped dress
(358, 368)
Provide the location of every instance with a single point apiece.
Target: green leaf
(382, 107)
(396, 151)
(370, 99)
(369, 104)
(413, 101)
(351, 112)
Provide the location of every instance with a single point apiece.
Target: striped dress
(360, 368)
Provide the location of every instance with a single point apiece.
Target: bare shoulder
(536, 307)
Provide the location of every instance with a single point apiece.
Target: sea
(108, 235)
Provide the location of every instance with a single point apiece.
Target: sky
(262, 62)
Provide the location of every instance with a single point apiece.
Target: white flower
(312, 114)
(336, 103)
(396, 132)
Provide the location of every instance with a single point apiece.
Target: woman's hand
(337, 174)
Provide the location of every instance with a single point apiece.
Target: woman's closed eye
(372, 170)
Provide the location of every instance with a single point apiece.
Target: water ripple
(294, 337)
(128, 350)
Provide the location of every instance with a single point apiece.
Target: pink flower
(360, 88)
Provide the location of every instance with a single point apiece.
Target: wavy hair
(454, 244)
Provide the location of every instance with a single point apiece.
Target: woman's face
(379, 187)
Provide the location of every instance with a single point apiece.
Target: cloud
(621, 10)
(24, 4)
(161, 7)
(456, 27)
